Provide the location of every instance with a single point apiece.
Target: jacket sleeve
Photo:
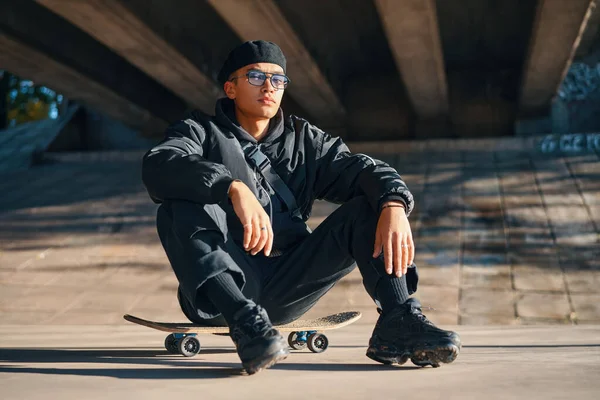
(342, 175)
(176, 168)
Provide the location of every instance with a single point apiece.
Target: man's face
(260, 102)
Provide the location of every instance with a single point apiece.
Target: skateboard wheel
(317, 342)
(171, 344)
(189, 346)
(295, 343)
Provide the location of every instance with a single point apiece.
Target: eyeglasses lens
(258, 79)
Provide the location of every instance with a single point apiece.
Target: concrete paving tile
(442, 319)
(583, 281)
(133, 279)
(574, 216)
(526, 217)
(432, 273)
(5, 276)
(492, 277)
(485, 257)
(538, 278)
(592, 197)
(82, 278)
(556, 198)
(595, 212)
(8, 293)
(481, 320)
(529, 200)
(585, 322)
(542, 257)
(26, 317)
(572, 225)
(436, 239)
(99, 300)
(576, 238)
(579, 257)
(441, 298)
(15, 259)
(480, 185)
(482, 301)
(33, 278)
(159, 301)
(587, 306)
(544, 321)
(41, 299)
(88, 317)
(543, 305)
(520, 237)
(484, 238)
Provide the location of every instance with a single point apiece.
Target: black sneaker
(258, 344)
(404, 332)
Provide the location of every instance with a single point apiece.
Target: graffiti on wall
(579, 95)
(571, 143)
(581, 82)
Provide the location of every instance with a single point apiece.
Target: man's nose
(267, 86)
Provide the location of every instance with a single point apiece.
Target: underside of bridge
(363, 69)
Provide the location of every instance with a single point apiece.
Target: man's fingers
(397, 256)
(388, 256)
(411, 250)
(264, 236)
(269, 244)
(405, 251)
(255, 233)
(377, 247)
(247, 234)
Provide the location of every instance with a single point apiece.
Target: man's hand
(394, 236)
(258, 234)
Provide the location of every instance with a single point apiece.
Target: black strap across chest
(261, 162)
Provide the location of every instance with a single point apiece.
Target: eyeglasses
(258, 78)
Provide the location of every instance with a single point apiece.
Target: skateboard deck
(333, 321)
(303, 332)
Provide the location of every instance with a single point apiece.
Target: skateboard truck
(316, 342)
(183, 343)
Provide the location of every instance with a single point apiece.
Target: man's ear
(230, 89)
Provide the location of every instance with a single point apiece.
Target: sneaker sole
(431, 355)
(255, 366)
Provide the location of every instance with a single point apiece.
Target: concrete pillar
(413, 34)
(557, 31)
(310, 89)
(115, 26)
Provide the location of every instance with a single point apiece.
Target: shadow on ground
(157, 364)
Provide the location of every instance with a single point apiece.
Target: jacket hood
(225, 115)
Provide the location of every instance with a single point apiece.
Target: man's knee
(186, 219)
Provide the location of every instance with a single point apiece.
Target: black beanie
(255, 51)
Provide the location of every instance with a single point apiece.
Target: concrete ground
(118, 362)
(507, 248)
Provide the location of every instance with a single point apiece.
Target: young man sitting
(235, 192)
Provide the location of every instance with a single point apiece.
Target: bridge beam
(114, 25)
(557, 31)
(413, 34)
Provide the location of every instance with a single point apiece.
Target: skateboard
(303, 333)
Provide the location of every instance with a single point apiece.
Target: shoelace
(416, 311)
(258, 324)
(254, 325)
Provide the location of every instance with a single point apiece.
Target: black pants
(199, 246)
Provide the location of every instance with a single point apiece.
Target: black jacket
(201, 155)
